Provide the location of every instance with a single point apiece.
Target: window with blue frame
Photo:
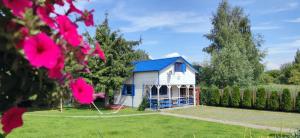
(180, 67)
(163, 90)
(128, 89)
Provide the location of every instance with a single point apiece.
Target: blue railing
(168, 103)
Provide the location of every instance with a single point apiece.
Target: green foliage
(273, 101)
(298, 102)
(234, 51)
(144, 104)
(119, 54)
(297, 57)
(260, 98)
(203, 77)
(286, 100)
(285, 73)
(295, 75)
(235, 97)
(214, 96)
(204, 96)
(225, 100)
(247, 99)
(141, 55)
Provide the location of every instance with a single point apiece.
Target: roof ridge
(157, 59)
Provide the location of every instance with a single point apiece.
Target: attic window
(180, 67)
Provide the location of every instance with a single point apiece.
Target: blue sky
(176, 27)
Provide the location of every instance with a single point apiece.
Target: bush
(214, 96)
(235, 97)
(273, 101)
(260, 98)
(247, 98)
(298, 102)
(226, 97)
(204, 98)
(144, 104)
(286, 100)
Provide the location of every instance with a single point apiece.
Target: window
(154, 90)
(163, 90)
(180, 67)
(128, 89)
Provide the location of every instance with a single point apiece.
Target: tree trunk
(106, 103)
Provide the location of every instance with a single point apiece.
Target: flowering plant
(48, 40)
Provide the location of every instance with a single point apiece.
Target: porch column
(150, 95)
(169, 95)
(188, 93)
(178, 86)
(158, 99)
(194, 92)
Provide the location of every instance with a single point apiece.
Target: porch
(168, 96)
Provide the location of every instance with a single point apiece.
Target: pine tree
(297, 57)
(246, 102)
(226, 97)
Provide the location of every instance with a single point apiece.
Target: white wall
(187, 77)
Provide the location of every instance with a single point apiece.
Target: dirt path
(289, 130)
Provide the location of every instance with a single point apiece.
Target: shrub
(235, 97)
(260, 98)
(214, 96)
(273, 101)
(246, 102)
(298, 102)
(226, 97)
(144, 104)
(286, 100)
(204, 98)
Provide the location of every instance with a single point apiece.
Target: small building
(165, 83)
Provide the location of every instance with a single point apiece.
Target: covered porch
(168, 96)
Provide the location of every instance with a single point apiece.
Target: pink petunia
(18, 7)
(12, 119)
(56, 71)
(98, 51)
(68, 30)
(73, 8)
(85, 48)
(41, 51)
(82, 91)
(43, 13)
(88, 18)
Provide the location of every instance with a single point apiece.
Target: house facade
(166, 83)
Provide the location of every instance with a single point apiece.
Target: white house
(173, 78)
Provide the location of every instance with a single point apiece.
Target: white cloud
(284, 48)
(283, 7)
(178, 21)
(175, 54)
(297, 20)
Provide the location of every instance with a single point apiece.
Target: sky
(176, 27)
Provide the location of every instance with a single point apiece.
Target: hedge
(247, 98)
(286, 100)
(235, 97)
(214, 96)
(204, 98)
(297, 108)
(225, 100)
(273, 101)
(260, 98)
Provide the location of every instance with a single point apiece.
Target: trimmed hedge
(260, 98)
(273, 101)
(204, 98)
(247, 99)
(235, 97)
(214, 96)
(225, 100)
(297, 108)
(286, 100)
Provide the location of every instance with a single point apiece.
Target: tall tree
(118, 67)
(235, 53)
(141, 55)
(297, 57)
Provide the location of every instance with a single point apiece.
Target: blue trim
(133, 91)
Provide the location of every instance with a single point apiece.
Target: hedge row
(260, 99)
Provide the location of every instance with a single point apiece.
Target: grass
(258, 117)
(139, 126)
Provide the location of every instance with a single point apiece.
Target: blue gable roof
(156, 65)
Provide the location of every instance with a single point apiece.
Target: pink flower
(82, 91)
(12, 119)
(24, 31)
(41, 51)
(43, 13)
(87, 16)
(56, 71)
(98, 51)
(73, 8)
(85, 49)
(68, 30)
(18, 7)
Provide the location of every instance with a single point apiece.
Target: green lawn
(138, 126)
(258, 117)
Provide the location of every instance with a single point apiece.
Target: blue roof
(156, 65)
